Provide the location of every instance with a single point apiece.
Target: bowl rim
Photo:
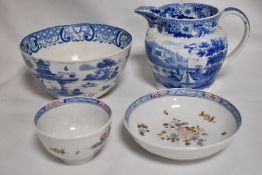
(163, 93)
(72, 100)
(78, 61)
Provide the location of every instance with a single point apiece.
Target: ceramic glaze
(77, 51)
(77, 59)
(182, 124)
(74, 120)
(73, 129)
(185, 45)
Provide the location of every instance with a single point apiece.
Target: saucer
(182, 124)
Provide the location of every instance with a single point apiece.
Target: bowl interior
(181, 121)
(72, 120)
(76, 42)
(80, 51)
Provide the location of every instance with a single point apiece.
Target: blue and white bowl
(78, 59)
(73, 129)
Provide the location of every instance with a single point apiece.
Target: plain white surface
(20, 98)
(73, 120)
(77, 51)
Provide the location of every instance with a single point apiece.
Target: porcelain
(182, 124)
(73, 129)
(78, 59)
(185, 45)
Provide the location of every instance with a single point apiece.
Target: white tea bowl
(77, 59)
(182, 124)
(73, 129)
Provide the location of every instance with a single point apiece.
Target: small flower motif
(172, 28)
(58, 150)
(212, 97)
(103, 138)
(162, 134)
(142, 129)
(165, 112)
(188, 12)
(171, 12)
(204, 45)
(207, 117)
(186, 29)
(159, 94)
(224, 133)
(206, 12)
(77, 152)
(178, 131)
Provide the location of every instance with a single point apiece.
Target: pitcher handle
(240, 45)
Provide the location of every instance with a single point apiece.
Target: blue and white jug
(185, 45)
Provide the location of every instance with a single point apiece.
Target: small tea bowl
(73, 129)
(182, 124)
(77, 59)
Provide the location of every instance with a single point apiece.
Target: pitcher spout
(150, 13)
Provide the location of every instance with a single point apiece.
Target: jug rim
(216, 11)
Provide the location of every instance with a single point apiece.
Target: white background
(20, 150)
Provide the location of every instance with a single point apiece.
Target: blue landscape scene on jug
(172, 70)
(181, 20)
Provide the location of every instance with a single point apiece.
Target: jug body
(178, 62)
(186, 47)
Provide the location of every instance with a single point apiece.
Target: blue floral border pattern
(75, 33)
(187, 20)
(186, 93)
(188, 29)
(60, 102)
(182, 20)
(187, 11)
